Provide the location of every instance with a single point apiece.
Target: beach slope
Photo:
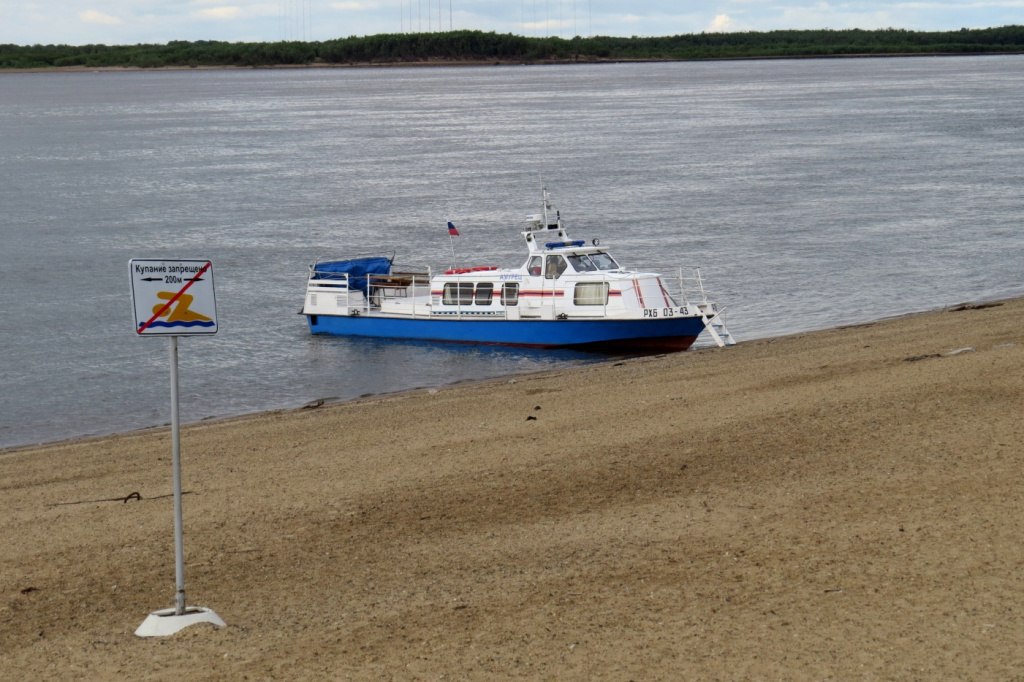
(838, 504)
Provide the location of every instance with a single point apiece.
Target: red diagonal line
(175, 297)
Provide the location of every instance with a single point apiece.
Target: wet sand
(833, 505)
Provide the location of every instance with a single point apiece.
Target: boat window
(533, 266)
(554, 267)
(582, 263)
(484, 293)
(458, 293)
(591, 293)
(604, 262)
(510, 293)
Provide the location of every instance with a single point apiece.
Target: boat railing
(407, 283)
(702, 304)
(328, 279)
(367, 292)
(692, 291)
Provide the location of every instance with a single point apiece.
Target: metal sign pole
(179, 536)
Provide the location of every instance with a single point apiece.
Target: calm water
(812, 193)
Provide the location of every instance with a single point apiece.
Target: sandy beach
(843, 504)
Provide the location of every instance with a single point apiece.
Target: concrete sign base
(166, 622)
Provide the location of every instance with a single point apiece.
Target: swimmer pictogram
(188, 307)
(177, 312)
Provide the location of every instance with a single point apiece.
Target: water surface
(812, 193)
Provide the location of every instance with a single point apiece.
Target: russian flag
(452, 231)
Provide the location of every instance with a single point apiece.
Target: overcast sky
(79, 22)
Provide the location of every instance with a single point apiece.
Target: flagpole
(452, 234)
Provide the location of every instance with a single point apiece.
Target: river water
(812, 193)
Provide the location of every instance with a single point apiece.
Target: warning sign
(173, 297)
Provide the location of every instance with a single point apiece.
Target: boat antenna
(544, 203)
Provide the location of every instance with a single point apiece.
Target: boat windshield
(592, 262)
(582, 264)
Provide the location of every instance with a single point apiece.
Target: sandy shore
(844, 504)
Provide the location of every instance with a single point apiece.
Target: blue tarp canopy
(356, 268)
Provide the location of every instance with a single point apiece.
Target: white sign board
(173, 297)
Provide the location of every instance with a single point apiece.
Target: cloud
(91, 16)
(351, 5)
(220, 13)
(722, 23)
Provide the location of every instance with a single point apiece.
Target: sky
(113, 22)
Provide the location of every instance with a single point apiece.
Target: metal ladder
(716, 327)
(713, 320)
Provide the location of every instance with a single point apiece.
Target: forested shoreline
(483, 47)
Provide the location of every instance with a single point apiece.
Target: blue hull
(663, 334)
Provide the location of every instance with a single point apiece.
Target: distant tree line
(478, 46)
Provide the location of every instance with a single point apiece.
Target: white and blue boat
(567, 294)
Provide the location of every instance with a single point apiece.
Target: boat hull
(667, 334)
